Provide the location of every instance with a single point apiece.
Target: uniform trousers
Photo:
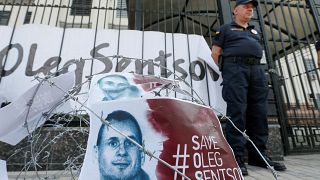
(245, 90)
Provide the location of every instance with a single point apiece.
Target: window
(121, 9)
(81, 7)
(4, 17)
(27, 18)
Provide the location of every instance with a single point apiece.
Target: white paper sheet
(3, 170)
(15, 125)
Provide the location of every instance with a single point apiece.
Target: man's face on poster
(118, 157)
(114, 86)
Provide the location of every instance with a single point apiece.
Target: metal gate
(290, 32)
(290, 29)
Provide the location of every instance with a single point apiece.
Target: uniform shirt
(318, 45)
(236, 40)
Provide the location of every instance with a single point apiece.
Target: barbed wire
(71, 163)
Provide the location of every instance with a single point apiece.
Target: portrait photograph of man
(118, 157)
(111, 155)
(116, 86)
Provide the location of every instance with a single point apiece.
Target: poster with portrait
(3, 170)
(120, 86)
(185, 135)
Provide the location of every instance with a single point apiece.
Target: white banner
(39, 49)
(3, 170)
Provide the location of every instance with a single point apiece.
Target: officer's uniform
(245, 86)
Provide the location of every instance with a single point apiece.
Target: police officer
(238, 46)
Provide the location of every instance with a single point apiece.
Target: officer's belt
(242, 60)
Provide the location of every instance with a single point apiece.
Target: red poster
(187, 136)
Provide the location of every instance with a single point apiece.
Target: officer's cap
(254, 2)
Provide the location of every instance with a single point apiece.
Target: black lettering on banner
(162, 58)
(3, 54)
(29, 69)
(51, 63)
(122, 64)
(193, 70)
(78, 71)
(180, 69)
(140, 65)
(105, 60)
(214, 75)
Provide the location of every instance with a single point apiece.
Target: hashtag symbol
(178, 157)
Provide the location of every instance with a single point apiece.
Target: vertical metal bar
(119, 36)
(95, 40)
(210, 41)
(156, 14)
(2, 70)
(309, 140)
(158, 24)
(282, 47)
(310, 50)
(191, 18)
(138, 15)
(59, 7)
(219, 13)
(200, 15)
(63, 33)
(298, 41)
(44, 9)
(165, 37)
(113, 9)
(82, 8)
(315, 13)
(271, 66)
(90, 7)
(143, 31)
(180, 18)
(188, 43)
(75, 8)
(295, 57)
(35, 12)
(225, 9)
(293, 53)
(316, 70)
(309, 22)
(283, 122)
(28, 6)
(172, 36)
(106, 15)
(50, 14)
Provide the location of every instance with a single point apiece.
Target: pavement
(299, 167)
